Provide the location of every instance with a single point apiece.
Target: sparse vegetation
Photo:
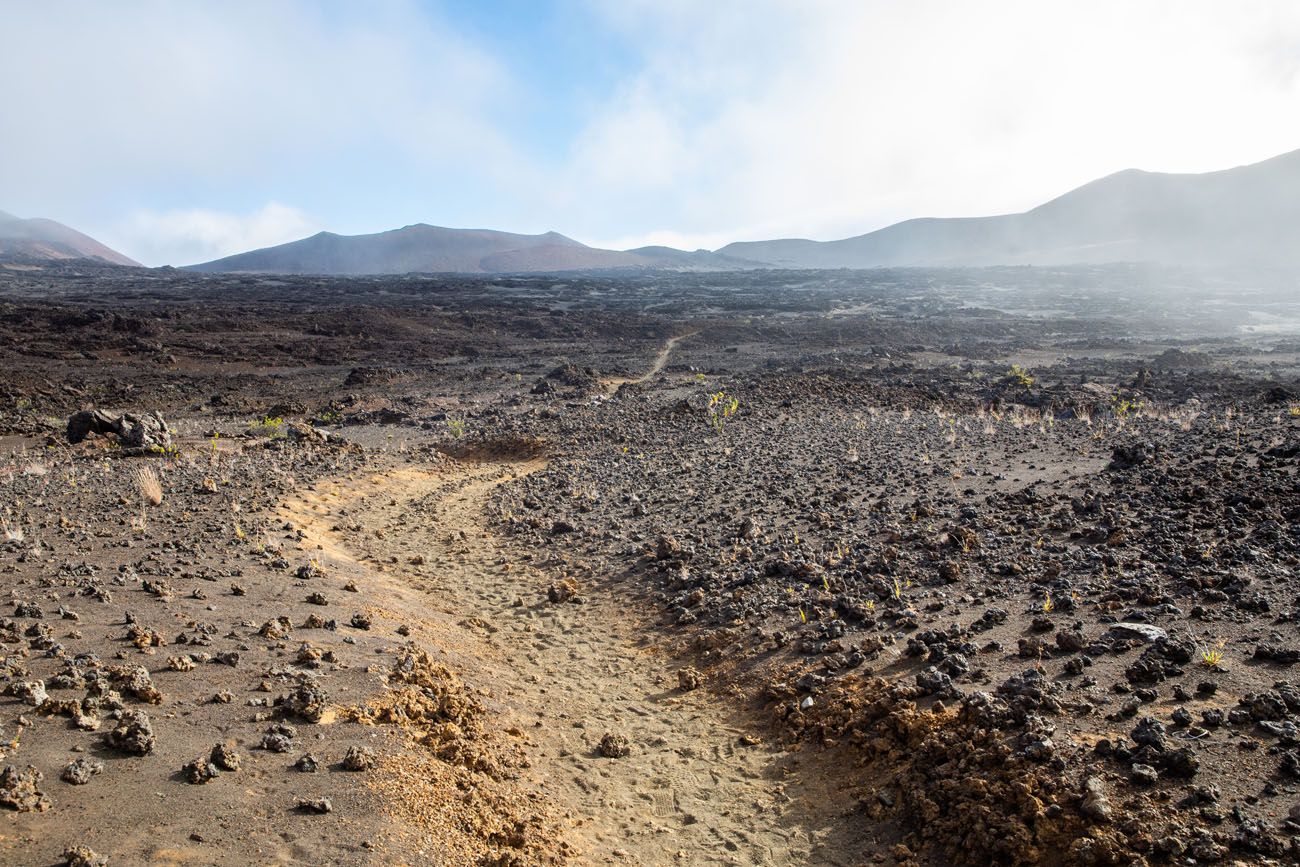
(1124, 405)
(1212, 655)
(1017, 376)
(722, 407)
(271, 427)
(150, 486)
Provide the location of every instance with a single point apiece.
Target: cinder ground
(528, 591)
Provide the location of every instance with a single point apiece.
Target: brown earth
(491, 553)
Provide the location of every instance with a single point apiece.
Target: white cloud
(192, 236)
(113, 106)
(826, 119)
(729, 119)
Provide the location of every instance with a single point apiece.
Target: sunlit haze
(179, 132)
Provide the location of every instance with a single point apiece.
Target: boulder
(144, 433)
(83, 424)
(138, 433)
(1142, 631)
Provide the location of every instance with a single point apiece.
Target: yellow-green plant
(1123, 405)
(271, 427)
(1017, 375)
(456, 426)
(1211, 656)
(722, 407)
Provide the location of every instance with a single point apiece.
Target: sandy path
(660, 362)
(692, 791)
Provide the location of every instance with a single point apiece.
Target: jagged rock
(145, 433)
(18, 790)
(1142, 631)
(224, 757)
(79, 772)
(83, 856)
(83, 424)
(308, 700)
(199, 771)
(614, 746)
(1096, 805)
(314, 805)
(359, 759)
(135, 433)
(133, 733)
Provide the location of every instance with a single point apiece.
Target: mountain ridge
(39, 239)
(1243, 214)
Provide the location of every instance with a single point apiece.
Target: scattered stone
(200, 771)
(309, 700)
(1141, 631)
(614, 746)
(359, 758)
(563, 591)
(224, 757)
(18, 790)
(1096, 805)
(79, 771)
(279, 738)
(319, 806)
(83, 856)
(133, 733)
(30, 692)
(1144, 775)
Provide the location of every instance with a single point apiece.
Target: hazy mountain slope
(702, 260)
(42, 239)
(422, 248)
(1249, 214)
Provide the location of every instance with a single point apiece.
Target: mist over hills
(424, 248)
(1244, 216)
(1248, 215)
(42, 240)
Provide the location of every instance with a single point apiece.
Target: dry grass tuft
(150, 487)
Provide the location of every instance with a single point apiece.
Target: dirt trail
(660, 362)
(693, 790)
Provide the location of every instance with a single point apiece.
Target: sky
(178, 131)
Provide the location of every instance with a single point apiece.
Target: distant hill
(45, 240)
(1248, 215)
(1245, 215)
(432, 249)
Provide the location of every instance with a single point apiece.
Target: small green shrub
(722, 407)
(271, 427)
(1018, 376)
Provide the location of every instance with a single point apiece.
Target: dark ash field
(905, 567)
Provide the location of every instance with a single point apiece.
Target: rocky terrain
(900, 567)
